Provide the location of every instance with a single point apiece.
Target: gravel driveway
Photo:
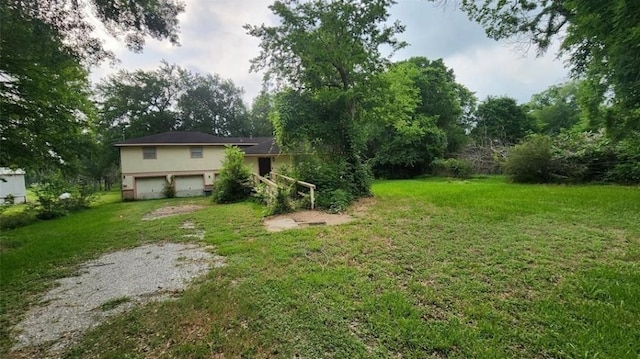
(109, 285)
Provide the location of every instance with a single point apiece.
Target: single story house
(190, 159)
(12, 185)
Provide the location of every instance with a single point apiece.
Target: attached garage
(189, 186)
(150, 187)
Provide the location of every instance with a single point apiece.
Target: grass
(437, 268)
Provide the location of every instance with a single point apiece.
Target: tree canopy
(45, 49)
(140, 103)
(501, 120)
(328, 53)
(600, 37)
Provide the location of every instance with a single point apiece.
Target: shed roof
(6, 171)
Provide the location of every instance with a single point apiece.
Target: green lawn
(437, 268)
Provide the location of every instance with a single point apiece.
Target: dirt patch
(318, 218)
(171, 211)
(304, 219)
(110, 285)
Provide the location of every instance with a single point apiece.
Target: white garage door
(150, 187)
(189, 186)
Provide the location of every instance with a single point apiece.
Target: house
(190, 160)
(12, 185)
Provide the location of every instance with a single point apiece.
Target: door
(264, 165)
(189, 186)
(150, 187)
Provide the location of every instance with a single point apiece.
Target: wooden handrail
(312, 187)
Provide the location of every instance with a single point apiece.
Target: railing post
(313, 200)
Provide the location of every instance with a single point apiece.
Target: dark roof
(187, 137)
(250, 145)
(267, 147)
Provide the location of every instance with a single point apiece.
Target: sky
(212, 40)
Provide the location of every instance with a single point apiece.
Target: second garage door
(150, 187)
(189, 186)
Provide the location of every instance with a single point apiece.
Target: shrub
(281, 202)
(531, 161)
(627, 167)
(51, 203)
(334, 175)
(334, 201)
(233, 183)
(19, 219)
(452, 167)
(169, 189)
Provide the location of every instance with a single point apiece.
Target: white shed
(12, 183)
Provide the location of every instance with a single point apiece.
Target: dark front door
(264, 165)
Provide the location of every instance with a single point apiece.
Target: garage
(189, 186)
(150, 187)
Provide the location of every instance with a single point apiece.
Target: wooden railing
(272, 187)
(312, 188)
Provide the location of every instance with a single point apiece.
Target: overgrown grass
(437, 268)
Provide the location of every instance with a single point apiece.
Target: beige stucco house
(190, 159)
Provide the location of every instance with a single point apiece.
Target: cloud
(213, 41)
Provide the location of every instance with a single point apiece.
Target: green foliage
(261, 108)
(334, 201)
(532, 160)
(43, 95)
(44, 92)
(233, 182)
(58, 196)
(452, 167)
(627, 168)
(169, 188)
(406, 137)
(330, 52)
(501, 120)
(556, 109)
(599, 37)
(18, 219)
(281, 202)
(141, 103)
(574, 157)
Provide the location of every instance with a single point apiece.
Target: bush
(335, 180)
(19, 219)
(531, 161)
(281, 203)
(452, 167)
(334, 201)
(233, 184)
(627, 167)
(50, 200)
(169, 189)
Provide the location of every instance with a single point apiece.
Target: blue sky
(213, 41)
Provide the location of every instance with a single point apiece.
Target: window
(149, 153)
(196, 152)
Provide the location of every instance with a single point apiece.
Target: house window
(196, 152)
(149, 153)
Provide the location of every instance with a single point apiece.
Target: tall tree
(45, 47)
(140, 103)
(444, 99)
(600, 37)
(213, 105)
(556, 109)
(502, 120)
(261, 108)
(328, 52)
(405, 139)
(44, 105)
